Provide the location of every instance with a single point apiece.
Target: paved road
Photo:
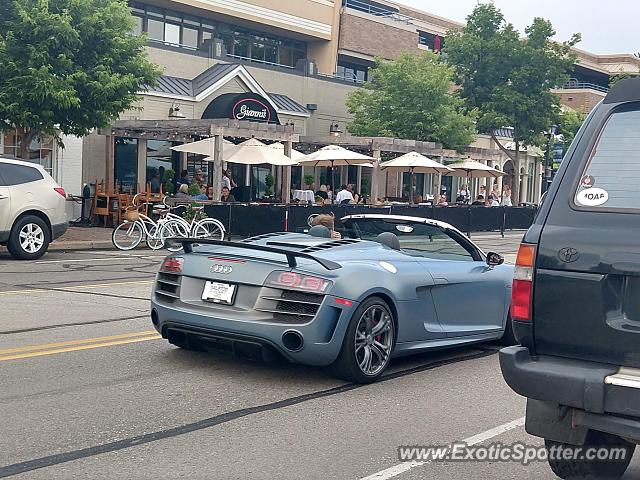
(88, 390)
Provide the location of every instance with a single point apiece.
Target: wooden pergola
(186, 130)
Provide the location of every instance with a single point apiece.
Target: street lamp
(547, 159)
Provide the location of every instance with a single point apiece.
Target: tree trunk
(27, 135)
(515, 188)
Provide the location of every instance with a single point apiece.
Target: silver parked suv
(32, 209)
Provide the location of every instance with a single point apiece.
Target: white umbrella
(334, 155)
(254, 152)
(413, 162)
(295, 154)
(473, 169)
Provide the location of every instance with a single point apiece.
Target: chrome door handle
(2, 197)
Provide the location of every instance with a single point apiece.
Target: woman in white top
(506, 196)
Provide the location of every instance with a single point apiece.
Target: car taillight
(522, 288)
(172, 265)
(297, 281)
(61, 191)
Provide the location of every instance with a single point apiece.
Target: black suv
(576, 299)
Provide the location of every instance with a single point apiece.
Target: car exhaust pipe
(292, 340)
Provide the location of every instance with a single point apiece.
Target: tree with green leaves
(68, 66)
(569, 122)
(410, 98)
(509, 78)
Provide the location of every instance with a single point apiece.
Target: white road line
(101, 259)
(474, 440)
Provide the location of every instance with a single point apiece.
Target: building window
(126, 164)
(40, 151)
(433, 42)
(352, 72)
(174, 28)
(172, 33)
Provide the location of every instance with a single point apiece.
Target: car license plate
(217, 292)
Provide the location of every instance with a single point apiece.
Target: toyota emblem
(222, 269)
(568, 254)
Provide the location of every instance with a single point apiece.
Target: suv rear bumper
(571, 383)
(58, 230)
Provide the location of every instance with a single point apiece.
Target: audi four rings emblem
(223, 269)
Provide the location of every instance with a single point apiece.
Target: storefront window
(418, 184)
(258, 180)
(162, 165)
(296, 178)
(126, 164)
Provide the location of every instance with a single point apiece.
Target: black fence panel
(246, 220)
(485, 219)
(517, 218)
(458, 216)
(249, 220)
(221, 212)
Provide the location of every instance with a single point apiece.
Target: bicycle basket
(132, 215)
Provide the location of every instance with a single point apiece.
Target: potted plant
(268, 181)
(308, 180)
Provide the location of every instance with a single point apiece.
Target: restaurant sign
(243, 106)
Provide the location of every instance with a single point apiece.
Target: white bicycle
(136, 226)
(177, 227)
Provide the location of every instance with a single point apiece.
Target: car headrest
(389, 239)
(320, 231)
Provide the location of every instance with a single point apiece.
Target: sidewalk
(98, 238)
(79, 238)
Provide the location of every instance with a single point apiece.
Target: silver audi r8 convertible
(391, 286)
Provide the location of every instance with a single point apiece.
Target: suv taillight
(522, 289)
(61, 191)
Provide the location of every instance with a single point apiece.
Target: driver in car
(327, 221)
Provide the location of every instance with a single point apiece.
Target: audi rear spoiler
(187, 244)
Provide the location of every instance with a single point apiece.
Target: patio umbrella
(473, 169)
(254, 152)
(413, 162)
(334, 155)
(295, 154)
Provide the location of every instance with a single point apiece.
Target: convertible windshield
(417, 239)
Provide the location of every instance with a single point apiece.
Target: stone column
(525, 181)
(537, 179)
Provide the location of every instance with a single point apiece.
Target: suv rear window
(611, 179)
(17, 174)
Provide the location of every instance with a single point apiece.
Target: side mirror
(494, 259)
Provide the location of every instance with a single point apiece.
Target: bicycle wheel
(209, 228)
(127, 235)
(154, 242)
(170, 231)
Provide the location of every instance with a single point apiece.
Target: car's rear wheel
(30, 238)
(609, 468)
(368, 343)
